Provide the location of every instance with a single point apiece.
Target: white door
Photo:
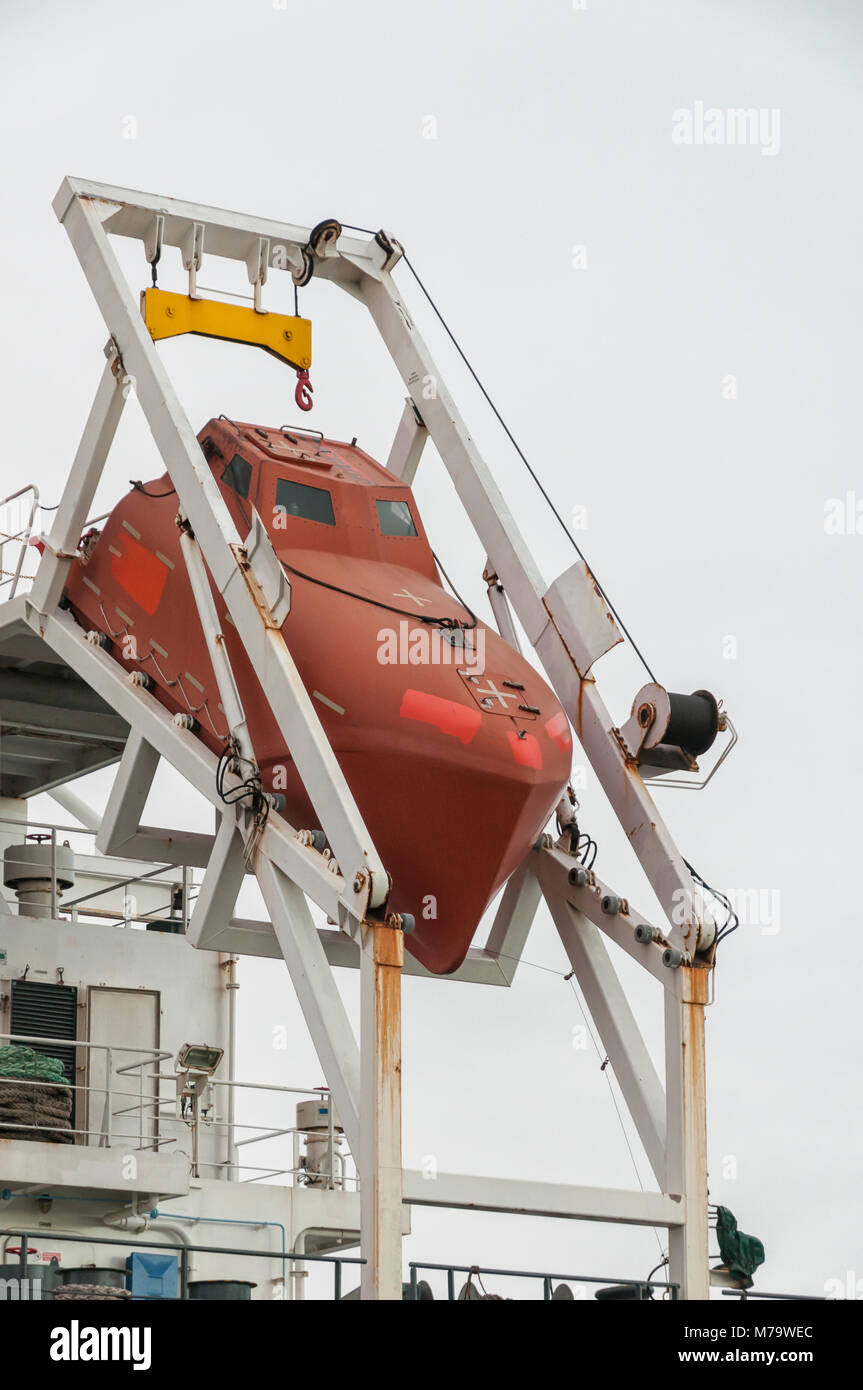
(123, 1019)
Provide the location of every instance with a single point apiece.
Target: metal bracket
(153, 239)
(192, 249)
(269, 575)
(257, 263)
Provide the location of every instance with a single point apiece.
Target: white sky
(705, 516)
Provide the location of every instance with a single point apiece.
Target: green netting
(741, 1254)
(23, 1063)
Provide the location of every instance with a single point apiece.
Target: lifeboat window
(395, 517)
(298, 499)
(238, 475)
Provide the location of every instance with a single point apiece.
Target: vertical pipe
(194, 1104)
(298, 1269)
(231, 987)
(330, 1162)
(53, 874)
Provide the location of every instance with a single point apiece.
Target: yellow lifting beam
(167, 315)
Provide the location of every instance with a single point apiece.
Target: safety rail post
(330, 1146)
(107, 1116)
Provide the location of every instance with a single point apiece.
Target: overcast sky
(671, 328)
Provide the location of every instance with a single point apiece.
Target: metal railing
(144, 1113)
(11, 578)
(745, 1294)
(183, 1252)
(149, 1057)
(642, 1288)
(186, 882)
(334, 1174)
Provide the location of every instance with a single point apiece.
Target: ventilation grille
(47, 1011)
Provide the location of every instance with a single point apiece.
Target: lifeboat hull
(455, 749)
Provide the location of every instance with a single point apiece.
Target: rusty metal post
(686, 1104)
(380, 1162)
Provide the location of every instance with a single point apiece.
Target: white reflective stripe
(316, 694)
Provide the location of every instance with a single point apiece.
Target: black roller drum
(694, 722)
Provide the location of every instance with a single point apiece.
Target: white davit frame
(570, 628)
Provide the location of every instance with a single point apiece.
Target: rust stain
(389, 946)
(254, 589)
(389, 957)
(698, 979)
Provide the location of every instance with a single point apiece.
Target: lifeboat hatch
(499, 694)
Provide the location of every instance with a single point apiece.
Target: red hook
(303, 393)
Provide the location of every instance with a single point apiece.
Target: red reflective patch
(140, 574)
(526, 751)
(446, 715)
(558, 729)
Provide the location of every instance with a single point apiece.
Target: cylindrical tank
(93, 1274)
(313, 1124)
(27, 869)
(91, 1284)
(623, 1293)
(210, 1289)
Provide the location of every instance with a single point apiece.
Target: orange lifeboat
(454, 748)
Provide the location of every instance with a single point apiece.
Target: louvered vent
(42, 1010)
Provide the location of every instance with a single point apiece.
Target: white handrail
(22, 536)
